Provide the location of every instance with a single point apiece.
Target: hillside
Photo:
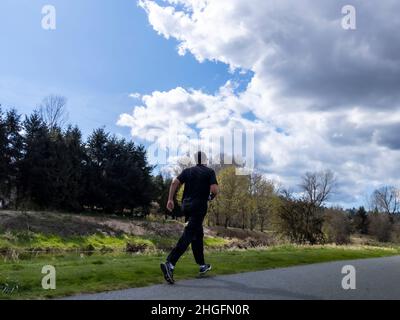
(49, 231)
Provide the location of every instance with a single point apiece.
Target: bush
(395, 234)
(301, 221)
(380, 226)
(337, 227)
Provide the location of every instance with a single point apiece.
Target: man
(200, 186)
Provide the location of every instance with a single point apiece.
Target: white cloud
(135, 95)
(321, 97)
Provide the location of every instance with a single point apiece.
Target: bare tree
(386, 199)
(302, 219)
(318, 186)
(53, 111)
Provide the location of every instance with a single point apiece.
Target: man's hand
(172, 191)
(170, 205)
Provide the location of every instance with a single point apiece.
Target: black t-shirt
(197, 182)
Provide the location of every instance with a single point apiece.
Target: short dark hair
(200, 157)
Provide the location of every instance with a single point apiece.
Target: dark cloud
(338, 68)
(345, 133)
(389, 136)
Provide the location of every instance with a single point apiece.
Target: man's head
(200, 158)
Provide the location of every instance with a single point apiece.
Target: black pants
(193, 234)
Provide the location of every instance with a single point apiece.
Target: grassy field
(20, 278)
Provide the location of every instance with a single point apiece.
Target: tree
(264, 199)
(380, 226)
(10, 155)
(233, 196)
(35, 178)
(317, 187)
(118, 175)
(52, 166)
(360, 221)
(246, 202)
(53, 111)
(128, 176)
(95, 194)
(299, 222)
(71, 170)
(4, 169)
(302, 219)
(337, 227)
(386, 200)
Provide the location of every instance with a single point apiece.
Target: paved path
(375, 279)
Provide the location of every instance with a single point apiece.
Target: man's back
(197, 182)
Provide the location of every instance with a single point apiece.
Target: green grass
(28, 241)
(78, 274)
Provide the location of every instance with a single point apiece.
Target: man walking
(200, 186)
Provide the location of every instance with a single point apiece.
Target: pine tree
(35, 169)
(360, 221)
(3, 160)
(95, 193)
(13, 152)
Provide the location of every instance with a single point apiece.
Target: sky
(100, 53)
(316, 95)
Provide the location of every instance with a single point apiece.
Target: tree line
(256, 203)
(46, 166)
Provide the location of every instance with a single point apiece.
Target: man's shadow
(240, 287)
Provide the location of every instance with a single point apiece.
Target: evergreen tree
(10, 155)
(66, 159)
(74, 171)
(95, 195)
(3, 160)
(35, 169)
(360, 221)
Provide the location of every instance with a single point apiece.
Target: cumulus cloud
(320, 96)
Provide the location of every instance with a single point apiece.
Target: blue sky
(100, 52)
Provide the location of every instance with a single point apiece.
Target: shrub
(301, 221)
(380, 226)
(395, 234)
(337, 227)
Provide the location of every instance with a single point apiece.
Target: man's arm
(213, 185)
(172, 190)
(213, 191)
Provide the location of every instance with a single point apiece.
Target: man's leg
(198, 246)
(184, 241)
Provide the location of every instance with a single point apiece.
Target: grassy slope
(76, 274)
(34, 242)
